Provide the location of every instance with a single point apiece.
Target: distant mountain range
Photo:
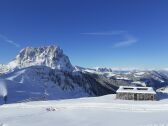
(46, 73)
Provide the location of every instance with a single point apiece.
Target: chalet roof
(130, 89)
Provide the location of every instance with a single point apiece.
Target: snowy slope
(43, 83)
(100, 111)
(35, 83)
(163, 90)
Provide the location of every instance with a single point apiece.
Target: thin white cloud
(128, 42)
(9, 41)
(128, 39)
(104, 33)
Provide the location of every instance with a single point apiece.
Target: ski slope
(95, 111)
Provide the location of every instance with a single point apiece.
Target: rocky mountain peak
(50, 56)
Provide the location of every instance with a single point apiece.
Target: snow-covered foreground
(96, 111)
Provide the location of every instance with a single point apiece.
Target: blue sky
(111, 33)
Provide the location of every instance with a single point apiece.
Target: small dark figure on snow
(5, 99)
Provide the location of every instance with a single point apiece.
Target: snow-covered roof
(130, 89)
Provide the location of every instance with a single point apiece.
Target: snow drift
(3, 88)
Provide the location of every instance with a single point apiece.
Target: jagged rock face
(103, 69)
(3, 68)
(50, 56)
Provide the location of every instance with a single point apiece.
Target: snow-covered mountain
(4, 68)
(133, 77)
(50, 56)
(44, 83)
(46, 73)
